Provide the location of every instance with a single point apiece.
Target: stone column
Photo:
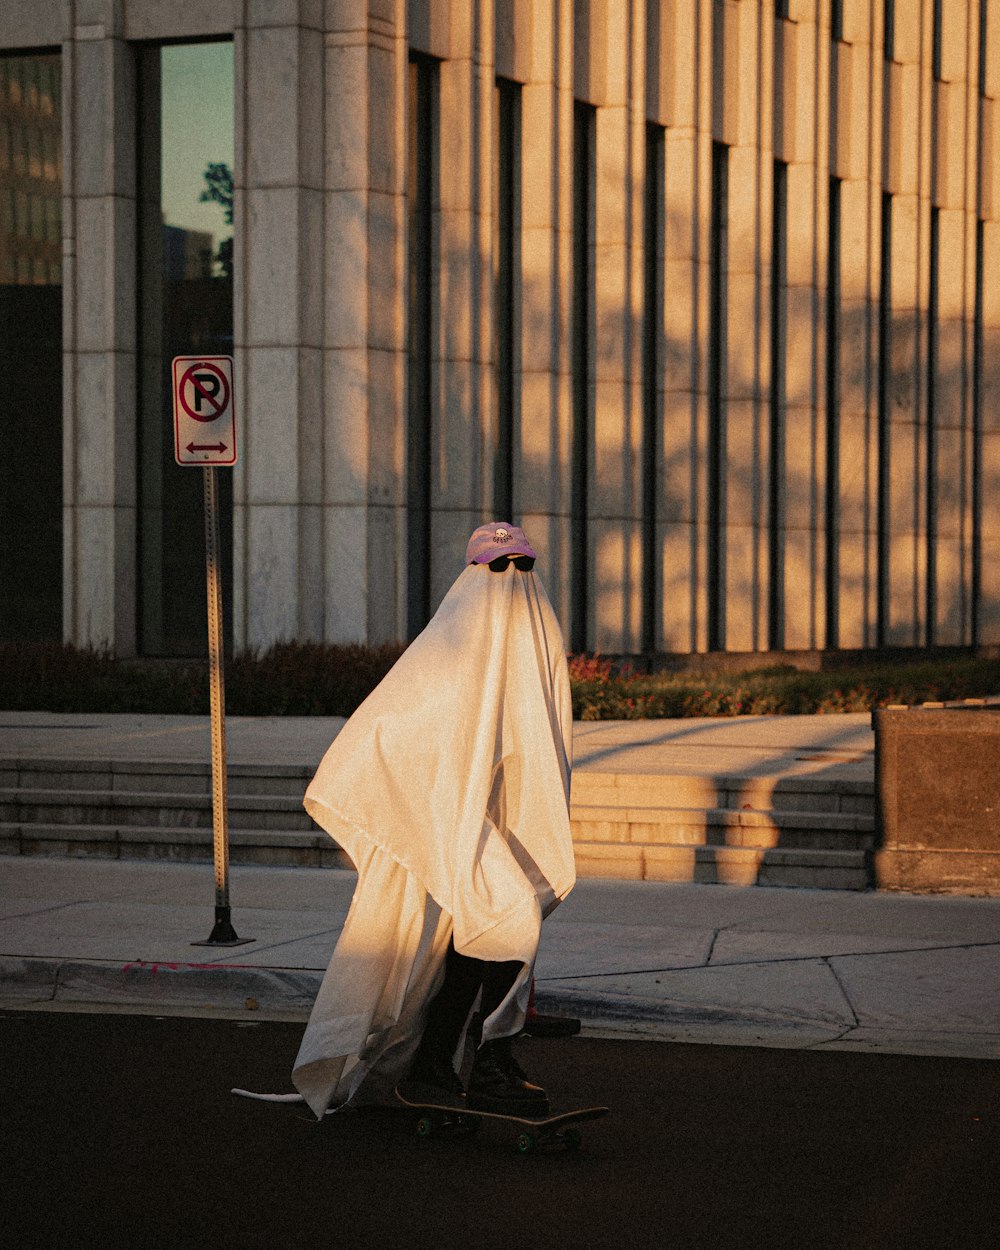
(682, 521)
(803, 468)
(742, 119)
(616, 85)
(461, 463)
(953, 195)
(857, 161)
(99, 369)
(902, 539)
(542, 487)
(364, 345)
(278, 322)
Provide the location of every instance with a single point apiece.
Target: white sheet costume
(449, 790)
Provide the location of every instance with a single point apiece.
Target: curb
(140, 983)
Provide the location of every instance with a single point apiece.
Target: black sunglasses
(524, 563)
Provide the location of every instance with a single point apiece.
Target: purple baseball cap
(498, 538)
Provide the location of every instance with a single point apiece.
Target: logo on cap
(501, 536)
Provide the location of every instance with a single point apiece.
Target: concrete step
(722, 864)
(139, 776)
(281, 847)
(723, 827)
(194, 811)
(800, 794)
(590, 789)
(794, 867)
(805, 831)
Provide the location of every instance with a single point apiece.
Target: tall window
(507, 149)
(833, 418)
(584, 125)
(977, 436)
(884, 372)
(717, 348)
(652, 339)
(932, 423)
(422, 166)
(776, 490)
(185, 167)
(31, 347)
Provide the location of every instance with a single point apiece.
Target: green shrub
(320, 679)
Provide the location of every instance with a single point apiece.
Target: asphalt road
(120, 1130)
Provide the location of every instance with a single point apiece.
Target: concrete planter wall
(937, 791)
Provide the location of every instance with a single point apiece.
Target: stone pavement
(701, 963)
(761, 967)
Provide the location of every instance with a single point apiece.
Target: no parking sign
(204, 410)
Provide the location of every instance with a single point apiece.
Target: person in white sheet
(449, 790)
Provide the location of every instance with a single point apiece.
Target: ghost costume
(449, 790)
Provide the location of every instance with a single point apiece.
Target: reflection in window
(31, 346)
(186, 307)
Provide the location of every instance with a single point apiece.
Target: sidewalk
(839, 747)
(820, 969)
(824, 969)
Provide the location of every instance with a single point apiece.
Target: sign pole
(205, 434)
(223, 934)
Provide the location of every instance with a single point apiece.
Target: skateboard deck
(533, 1133)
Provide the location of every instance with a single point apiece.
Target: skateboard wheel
(425, 1126)
(525, 1143)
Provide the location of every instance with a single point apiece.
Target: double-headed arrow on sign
(217, 447)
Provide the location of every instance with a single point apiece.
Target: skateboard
(551, 1132)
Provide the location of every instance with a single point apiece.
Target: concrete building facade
(704, 293)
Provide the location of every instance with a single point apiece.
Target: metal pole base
(223, 933)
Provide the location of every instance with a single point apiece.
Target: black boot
(432, 1076)
(497, 1083)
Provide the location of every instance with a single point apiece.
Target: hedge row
(313, 679)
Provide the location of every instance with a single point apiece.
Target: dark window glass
(652, 339)
(422, 165)
(937, 36)
(983, 14)
(933, 305)
(977, 437)
(507, 150)
(717, 348)
(31, 325)
(185, 164)
(833, 419)
(584, 125)
(836, 19)
(889, 30)
(776, 487)
(884, 370)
